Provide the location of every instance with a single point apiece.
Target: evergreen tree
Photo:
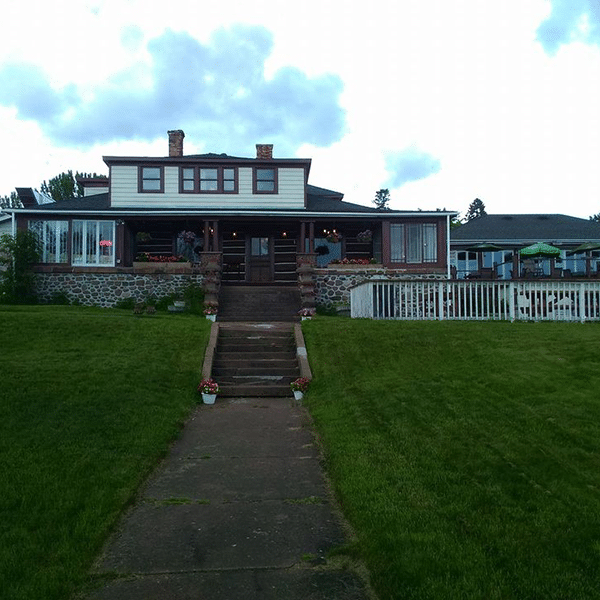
(476, 210)
(11, 201)
(382, 198)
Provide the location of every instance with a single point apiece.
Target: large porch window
(413, 243)
(53, 236)
(93, 243)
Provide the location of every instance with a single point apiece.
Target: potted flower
(306, 313)
(334, 237)
(365, 236)
(210, 312)
(209, 389)
(299, 387)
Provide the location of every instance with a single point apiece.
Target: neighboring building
(511, 232)
(257, 218)
(5, 223)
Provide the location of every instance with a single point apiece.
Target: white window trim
(84, 253)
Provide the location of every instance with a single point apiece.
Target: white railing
(477, 300)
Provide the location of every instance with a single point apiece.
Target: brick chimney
(264, 151)
(176, 142)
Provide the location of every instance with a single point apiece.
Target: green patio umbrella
(485, 247)
(539, 250)
(585, 247)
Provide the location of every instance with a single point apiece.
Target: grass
(466, 456)
(90, 400)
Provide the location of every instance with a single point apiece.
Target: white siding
(124, 191)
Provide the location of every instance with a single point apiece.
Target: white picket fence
(476, 300)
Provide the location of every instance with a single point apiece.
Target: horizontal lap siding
(124, 192)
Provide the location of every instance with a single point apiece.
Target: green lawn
(89, 401)
(465, 455)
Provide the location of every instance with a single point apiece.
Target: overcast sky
(441, 101)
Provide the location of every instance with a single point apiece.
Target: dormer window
(265, 180)
(208, 180)
(151, 179)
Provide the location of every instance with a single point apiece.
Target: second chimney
(176, 142)
(264, 151)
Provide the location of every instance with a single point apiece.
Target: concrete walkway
(238, 510)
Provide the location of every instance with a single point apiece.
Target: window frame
(61, 228)
(160, 179)
(255, 180)
(85, 236)
(410, 243)
(220, 179)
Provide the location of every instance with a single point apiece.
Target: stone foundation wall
(106, 289)
(332, 285)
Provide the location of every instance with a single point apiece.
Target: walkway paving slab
(298, 584)
(239, 509)
(224, 479)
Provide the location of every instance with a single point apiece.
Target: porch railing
(476, 300)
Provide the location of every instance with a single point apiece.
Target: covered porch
(251, 251)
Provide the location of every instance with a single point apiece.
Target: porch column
(121, 252)
(215, 236)
(302, 241)
(311, 237)
(206, 236)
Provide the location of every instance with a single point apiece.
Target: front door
(260, 260)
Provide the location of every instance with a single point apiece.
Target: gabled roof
(507, 228)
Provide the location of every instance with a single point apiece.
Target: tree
(11, 201)
(476, 210)
(382, 198)
(595, 217)
(64, 186)
(19, 253)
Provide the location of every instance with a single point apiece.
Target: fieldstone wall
(332, 285)
(106, 289)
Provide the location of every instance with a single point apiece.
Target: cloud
(408, 165)
(570, 20)
(216, 92)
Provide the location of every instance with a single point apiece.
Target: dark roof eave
(177, 160)
(302, 213)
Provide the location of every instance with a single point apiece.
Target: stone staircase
(263, 304)
(255, 359)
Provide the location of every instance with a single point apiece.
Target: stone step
(274, 365)
(237, 389)
(247, 371)
(250, 346)
(259, 303)
(261, 355)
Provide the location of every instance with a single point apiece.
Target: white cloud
(508, 110)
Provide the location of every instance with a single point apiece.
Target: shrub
(19, 253)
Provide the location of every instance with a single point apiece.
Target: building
(157, 222)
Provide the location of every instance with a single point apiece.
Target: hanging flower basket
(365, 236)
(334, 237)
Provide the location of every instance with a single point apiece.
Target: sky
(439, 101)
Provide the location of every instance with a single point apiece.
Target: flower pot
(306, 318)
(212, 318)
(208, 398)
(298, 395)
(179, 304)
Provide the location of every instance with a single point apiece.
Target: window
(93, 243)
(53, 236)
(208, 180)
(188, 180)
(151, 179)
(413, 243)
(265, 181)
